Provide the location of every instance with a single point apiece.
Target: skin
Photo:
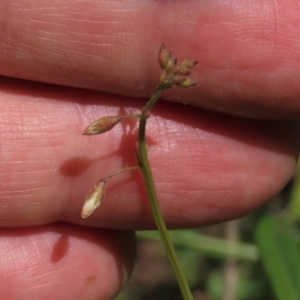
(67, 63)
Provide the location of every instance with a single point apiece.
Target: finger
(207, 167)
(60, 261)
(249, 55)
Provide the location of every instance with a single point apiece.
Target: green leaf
(207, 244)
(278, 242)
(295, 196)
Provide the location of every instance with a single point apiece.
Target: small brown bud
(188, 64)
(171, 63)
(102, 125)
(94, 199)
(163, 56)
(177, 80)
(164, 77)
(187, 83)
(182, 71)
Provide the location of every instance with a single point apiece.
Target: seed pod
(177, 80)
(164, 77)
(94, 199)
(102, 125)
(171, 63)
(188, 64)
(182, 71)
(187, 83)
(163, 56)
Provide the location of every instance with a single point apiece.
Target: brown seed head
(171, 63)
(187, 82)
(102, 125)
(182, 71)
(188, 64)
(163, 56)
(94, 199)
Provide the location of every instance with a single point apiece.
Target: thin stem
(155, 96)
(121, 171)
(159, 220)
(137, 116)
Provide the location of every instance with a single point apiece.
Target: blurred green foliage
(254, 258)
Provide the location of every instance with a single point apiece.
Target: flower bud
(163, 56)
(188, 64)
(164, 77)
(171, 63)
(187, 83)
(182, 71)
(102, 125)
(177, 80)
(94, 199)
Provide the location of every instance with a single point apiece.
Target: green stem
(159, 220)
(151, 102)
(121, 171)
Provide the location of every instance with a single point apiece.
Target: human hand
(208, 166)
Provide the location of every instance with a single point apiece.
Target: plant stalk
(151, 189)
